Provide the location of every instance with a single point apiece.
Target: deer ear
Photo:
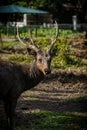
(54, 52)
(31, 52)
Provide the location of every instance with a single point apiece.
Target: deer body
(16, 78)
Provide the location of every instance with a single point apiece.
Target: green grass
(46, 120)
(41, 31)
(6, 45)
(20, 58)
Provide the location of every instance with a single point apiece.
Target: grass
(41, 31)
(47, 120)
(20, 58)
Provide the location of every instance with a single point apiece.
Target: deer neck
(32, 76)
(34, 72)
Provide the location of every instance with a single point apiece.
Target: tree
(61, 9)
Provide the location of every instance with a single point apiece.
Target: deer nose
(47, 71)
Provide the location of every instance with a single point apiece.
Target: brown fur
(15, 79)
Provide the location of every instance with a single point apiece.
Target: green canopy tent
(19, 9)
(15, 9)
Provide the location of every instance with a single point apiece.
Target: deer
(16, 78)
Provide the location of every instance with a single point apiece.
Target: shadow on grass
(43, 112)
(56, 105)
(48, 115)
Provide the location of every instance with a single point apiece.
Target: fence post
(74, 19)
(1, 38)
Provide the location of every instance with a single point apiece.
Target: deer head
(42, 59)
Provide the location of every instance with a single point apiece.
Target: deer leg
(7, 114)
(10, 111)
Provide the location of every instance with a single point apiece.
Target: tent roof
(19, 9)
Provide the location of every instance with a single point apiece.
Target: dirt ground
(62, 92)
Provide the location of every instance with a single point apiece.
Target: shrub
(63, 52)
(20, 58)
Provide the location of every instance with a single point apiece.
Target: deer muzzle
(47, 71)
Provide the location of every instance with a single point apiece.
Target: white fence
(82, 26)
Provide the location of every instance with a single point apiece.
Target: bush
(61, 46)
(63, 52)
(20, 58)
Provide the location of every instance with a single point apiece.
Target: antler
(32, 47)
(54, 40)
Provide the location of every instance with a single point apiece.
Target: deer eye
(40, 60)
